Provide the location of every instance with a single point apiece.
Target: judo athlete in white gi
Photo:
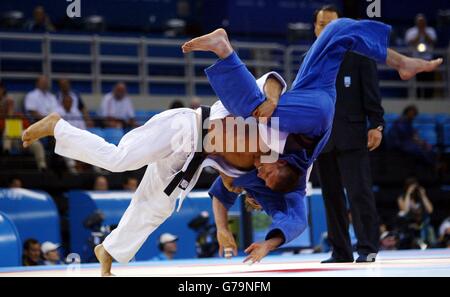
(166, 143)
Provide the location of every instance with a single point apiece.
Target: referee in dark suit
(344, 163)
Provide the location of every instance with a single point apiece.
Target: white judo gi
(166, 143)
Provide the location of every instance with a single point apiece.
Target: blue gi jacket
(288, 210)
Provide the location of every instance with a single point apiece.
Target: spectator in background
(31, 253)
(6, 102)
(195, 103)
(101, 183)
(415, 209)
(7, 111)
(40, 102)
(69, 112)
(404, 137)
(65, 89)
(168, 246)
(117, 108)
(131, 184)
(388, 241)
(40, 22)
(444, 234)
(50, 253)
(176, 104)
(15, 183)
(422, 39)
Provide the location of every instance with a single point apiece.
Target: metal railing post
(96, 65)
(288, 65)
(142, 52)
(189, 75)
(46, 61)
(447, 62)
(413, 89)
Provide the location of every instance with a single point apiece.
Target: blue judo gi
(287, 210)
(307, 109)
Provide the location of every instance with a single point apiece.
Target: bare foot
(41, 128)
(216, 42)
(105, 260)
(411, 66)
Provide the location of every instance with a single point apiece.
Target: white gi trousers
(164, 143)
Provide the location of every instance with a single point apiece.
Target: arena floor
(396, 263)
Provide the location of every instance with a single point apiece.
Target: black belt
(183, 178)
(297, 142)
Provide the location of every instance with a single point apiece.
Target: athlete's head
(279, 176)
(323, 16)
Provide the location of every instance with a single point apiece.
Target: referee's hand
(374, 137)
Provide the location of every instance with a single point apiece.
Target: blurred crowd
(48, 253)
(411, 228)
(116, 111)
(35, 253)
(180, 23)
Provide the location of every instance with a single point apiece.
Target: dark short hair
(3, 86)
(409, 182)
(12, 179)
(128, 178)
(176, 104)
(329, 8)
(287, 180)
(410, 108)
(29, 242)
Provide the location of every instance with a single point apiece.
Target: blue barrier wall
(317, 216)
(114, 203)
(33, 213)
(10, 244)
(84, 203)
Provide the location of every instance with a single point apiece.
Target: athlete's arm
(272, 89)
(224, 235)
(259, 250)
(228, 183)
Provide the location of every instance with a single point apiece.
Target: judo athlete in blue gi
(306, 110)
(287, 210)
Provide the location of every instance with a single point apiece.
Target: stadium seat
(97, 131)
(93, 114)
(442, 118)
(113, 135)
(424, 118)
(427, 132)
(143, 116)
(446, 137)
(390, 117)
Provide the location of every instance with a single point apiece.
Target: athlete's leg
(229, 77)
(149, 208)
(146, 212)
(139, 147)
(368, 38)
